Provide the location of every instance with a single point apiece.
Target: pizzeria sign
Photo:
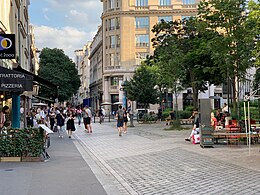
(11, 80)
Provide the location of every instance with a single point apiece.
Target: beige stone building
(82, 65)
(96, 71)
(127, 33)
(14, 19)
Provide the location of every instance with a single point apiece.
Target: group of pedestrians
(59, 119)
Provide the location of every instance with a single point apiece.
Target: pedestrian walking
(52, 119)
(125, 119)
(70, 124)
(79, 115)
(89, 119)
(120, 120)
(85, 118)
(60, 121)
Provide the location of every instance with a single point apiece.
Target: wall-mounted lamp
(2, 96)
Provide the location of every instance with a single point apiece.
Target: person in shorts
(120, 119)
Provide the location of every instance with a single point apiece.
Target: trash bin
(206, 137)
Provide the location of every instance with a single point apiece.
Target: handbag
(196, 139)
(55, 128)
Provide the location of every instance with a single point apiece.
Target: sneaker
(69, 136)
(187, 139)
(120, 134)
(59, 136)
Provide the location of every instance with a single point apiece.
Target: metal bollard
(131, 120)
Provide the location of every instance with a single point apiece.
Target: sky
(65, 24)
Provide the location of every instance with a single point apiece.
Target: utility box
(206, 137)
(206, 131)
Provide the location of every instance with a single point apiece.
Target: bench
(169, 121)
(186, 121)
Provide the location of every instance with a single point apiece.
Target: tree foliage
(141, 88)
(254, 18)
(183, 51)
(57, 68)
(233, 52)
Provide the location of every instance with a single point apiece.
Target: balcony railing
(112, 67)
(142, 44)
(191, 6)
(141, 7)
(114, 87)
(165, 6)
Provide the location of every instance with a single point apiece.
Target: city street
(150, 160)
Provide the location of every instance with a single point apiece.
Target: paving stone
(148, 160)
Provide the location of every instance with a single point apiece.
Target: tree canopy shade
(183, 50)
(56, 67)
(141, 88)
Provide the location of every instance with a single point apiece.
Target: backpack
(120, 114)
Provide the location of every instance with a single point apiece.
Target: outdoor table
(235, 136)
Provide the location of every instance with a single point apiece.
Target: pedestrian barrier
(47, 141)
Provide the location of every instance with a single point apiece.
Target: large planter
(28, 143)
(31, 159)
(10, 159)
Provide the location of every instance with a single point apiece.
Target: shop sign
(7, 46)
(11, 80)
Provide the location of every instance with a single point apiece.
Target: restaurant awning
(38, 80)
(15, 81)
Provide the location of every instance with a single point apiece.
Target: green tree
(183, 51)
(57, 68)
(254, 19)
(233, 52)
(160, 77)
(141, 88)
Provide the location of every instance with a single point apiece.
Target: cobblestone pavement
(150, 160)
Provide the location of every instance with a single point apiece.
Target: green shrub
(21, 142)
(149, 117)
(184, 114)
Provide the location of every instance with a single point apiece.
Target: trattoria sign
(11, 80)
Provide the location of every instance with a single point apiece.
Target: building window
(142, 40)
(164, 2)
(111, 4)
(118, 3)
(141, 56)
(117, 21)
(141, 3)
(111, 23)
(188, 2)
(165, 18)
(114, 81)
(185, 17)
(117, 59)
(141, 22)
(112, 59)
(117, 41)
(112, 41)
